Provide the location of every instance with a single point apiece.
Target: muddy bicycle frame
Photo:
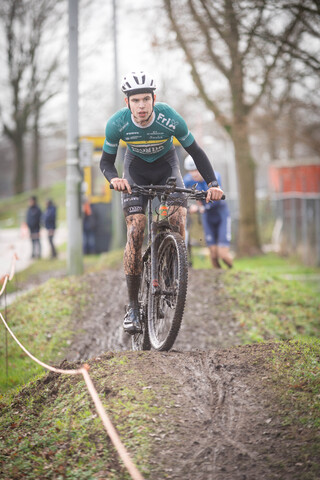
(163, 287)
(159, 226)
(163, 225)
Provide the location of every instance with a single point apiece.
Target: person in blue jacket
(89, 229)
(50, 217)
(34, 215)
(215, 217)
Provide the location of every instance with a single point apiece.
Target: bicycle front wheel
(166, 304)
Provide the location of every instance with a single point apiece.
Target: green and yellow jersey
(151, 142)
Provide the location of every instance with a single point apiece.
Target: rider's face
(141, 106)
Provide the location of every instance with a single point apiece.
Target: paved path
(18, 241)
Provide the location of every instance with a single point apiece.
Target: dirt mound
(221, 417)
(226, 423)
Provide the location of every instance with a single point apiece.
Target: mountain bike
(164, 278)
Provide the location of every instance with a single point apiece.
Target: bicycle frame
(163, 289)
(154, 228)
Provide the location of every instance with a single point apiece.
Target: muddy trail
(226, 424)
(207, 323)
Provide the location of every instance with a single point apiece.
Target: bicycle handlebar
(154, 189)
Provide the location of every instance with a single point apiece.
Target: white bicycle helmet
(137, 82)
(189, 163)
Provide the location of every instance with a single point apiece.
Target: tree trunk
(248, 239)
(36, 154)
(19, 165)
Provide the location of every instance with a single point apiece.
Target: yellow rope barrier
(111, 431)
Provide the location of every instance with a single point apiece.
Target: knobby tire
(165, 309)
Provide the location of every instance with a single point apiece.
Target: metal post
(293, 212)
(281, 206)
(304, 211)
(74, 177)
(118, 227)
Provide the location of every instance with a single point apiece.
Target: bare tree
(289, 113)
(29, 73)
(239, 43)
(286, 124)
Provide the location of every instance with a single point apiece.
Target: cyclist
(215, 217)
(148, 129)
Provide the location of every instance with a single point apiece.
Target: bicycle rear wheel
(166, 306)
(140, 341)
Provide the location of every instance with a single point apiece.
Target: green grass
(275, 263)
(270, 262)
(112, 259)
(296, 367)
(41, 320)
(91, 263)
(38, 267)
(53, 428)
(270, 308)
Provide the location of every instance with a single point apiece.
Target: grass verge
(51, 430)
(271, 297)
(41, 268)
(41, 321)
(268, 307)
(296, 367)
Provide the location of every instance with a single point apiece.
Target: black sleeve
(107, 165)
(202, 162)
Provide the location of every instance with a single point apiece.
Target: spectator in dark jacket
(89, 226)
(50, 216)
(34, 214)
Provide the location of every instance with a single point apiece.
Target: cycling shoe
(131, 322)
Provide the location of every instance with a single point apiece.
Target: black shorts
(140, 172)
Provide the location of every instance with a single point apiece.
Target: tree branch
(309, 60)
(213, 21)
(194, 73)
(253, 30)
(272, 65)
(204, 29)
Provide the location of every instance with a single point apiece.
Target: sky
(136, 33)
(139, 26)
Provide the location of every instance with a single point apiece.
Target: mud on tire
(165, 309)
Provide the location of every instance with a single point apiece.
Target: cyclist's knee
(136, 219)
(178, 218)
(135, 227)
